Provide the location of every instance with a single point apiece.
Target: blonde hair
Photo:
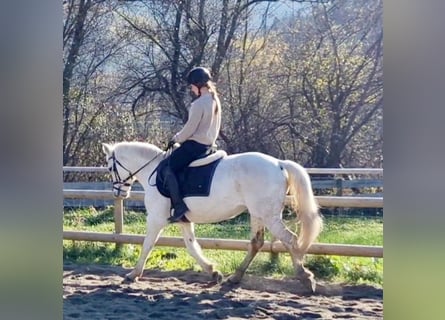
(212, 89)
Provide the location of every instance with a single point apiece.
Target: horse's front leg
(193, 247)
(155, 224)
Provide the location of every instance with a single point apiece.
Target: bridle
(118, 181)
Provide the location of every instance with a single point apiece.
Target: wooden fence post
(339, 193)
(118, 219)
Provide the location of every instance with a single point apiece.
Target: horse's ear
(106, 148)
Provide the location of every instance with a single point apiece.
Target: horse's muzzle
(121, 191)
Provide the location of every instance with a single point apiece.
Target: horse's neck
(149, 164)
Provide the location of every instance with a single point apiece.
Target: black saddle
(194, 181)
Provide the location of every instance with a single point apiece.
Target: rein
(131, 175)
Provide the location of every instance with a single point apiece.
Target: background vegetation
(300, 80)
(344, 230)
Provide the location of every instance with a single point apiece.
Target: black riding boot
(180, 208)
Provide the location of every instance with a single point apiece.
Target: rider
(197, 137)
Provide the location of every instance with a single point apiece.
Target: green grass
(341, 230)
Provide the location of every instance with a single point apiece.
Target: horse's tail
(303, 203)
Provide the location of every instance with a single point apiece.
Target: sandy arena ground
(97, 292)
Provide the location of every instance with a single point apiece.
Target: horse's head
(122, 178)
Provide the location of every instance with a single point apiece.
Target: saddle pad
(193, 181)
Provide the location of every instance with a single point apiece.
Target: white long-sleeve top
(204, 121)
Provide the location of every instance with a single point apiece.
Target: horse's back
(240, 181)
(251, 172)
(253, 164)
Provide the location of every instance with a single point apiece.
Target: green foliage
(346, 230)
(349, 269)
(365, 272)
(98, 253)
(323, 267)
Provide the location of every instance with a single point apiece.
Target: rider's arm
(195, 115)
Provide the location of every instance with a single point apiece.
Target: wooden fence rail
(226, 244)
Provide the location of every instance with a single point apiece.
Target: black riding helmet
(199, 76)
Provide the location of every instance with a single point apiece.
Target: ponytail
(212, 88)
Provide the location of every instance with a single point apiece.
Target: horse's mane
(143, 148)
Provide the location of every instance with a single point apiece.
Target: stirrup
(181, 218)
(174, 219)
(177, 218)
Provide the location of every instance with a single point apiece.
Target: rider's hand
(170, 144)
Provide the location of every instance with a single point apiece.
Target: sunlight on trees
(304, 84)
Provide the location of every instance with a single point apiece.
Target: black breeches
(188, 152)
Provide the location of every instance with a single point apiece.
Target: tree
(305, 87)
(253, 118)
(336, 70)
(87, 48)
(172, 38)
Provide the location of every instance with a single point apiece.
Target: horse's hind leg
(193, 247)
(289, 240)
(256, 243)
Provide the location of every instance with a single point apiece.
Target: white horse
(249, 181)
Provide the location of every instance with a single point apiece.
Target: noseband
(117, 178)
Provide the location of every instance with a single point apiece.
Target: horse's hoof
(307, 279)
(129, 278)
(217, 277)
(234, 279)
(309, 284)
(126, 280)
